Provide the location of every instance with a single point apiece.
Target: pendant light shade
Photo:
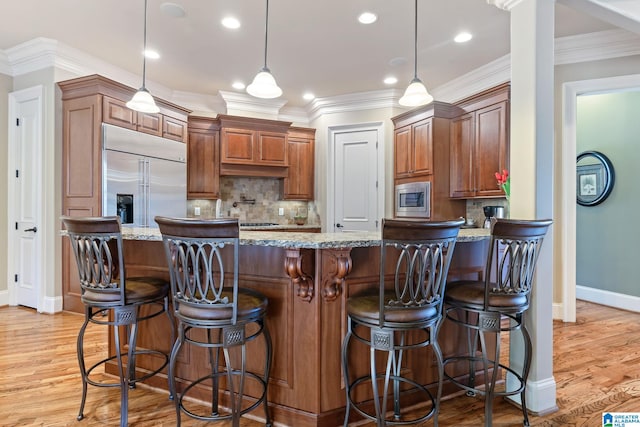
(416, 93)
(264, 84)
(143, 101)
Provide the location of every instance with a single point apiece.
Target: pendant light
(143, 101)
(264, 85)
(416, 93)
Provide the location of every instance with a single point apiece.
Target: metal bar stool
(495, 305)
(206, 296)
(403, 314)
(111, 299)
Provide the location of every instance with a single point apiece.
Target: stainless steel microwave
(413, 199)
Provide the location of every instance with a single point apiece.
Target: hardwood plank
(40, 383)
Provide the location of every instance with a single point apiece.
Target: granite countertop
(302, 240)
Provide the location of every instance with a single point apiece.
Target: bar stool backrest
(513, 254)
(196, 258)
(97, 245)
(424, 251)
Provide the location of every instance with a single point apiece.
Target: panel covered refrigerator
(144, 176)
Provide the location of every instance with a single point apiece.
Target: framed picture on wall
(594, 178)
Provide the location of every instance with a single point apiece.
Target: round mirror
(594, 178)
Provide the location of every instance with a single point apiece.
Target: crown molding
(245, 102)
(489, 75)
(384, 98)
(596, 46)
(42, 53)
(199, 103)
(296, 115)
(5, 65)
(504, 4)
(616, 13)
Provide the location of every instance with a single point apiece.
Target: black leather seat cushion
(470, 294)
(366, 309)
(138, 291)
(251, 304)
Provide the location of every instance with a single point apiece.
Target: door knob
(339, 225)
(34, 229)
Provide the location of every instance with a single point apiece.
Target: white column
(531, 169)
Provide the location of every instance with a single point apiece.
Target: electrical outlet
(196, 211)
(281, 211)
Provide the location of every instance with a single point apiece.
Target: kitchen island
(307, 278)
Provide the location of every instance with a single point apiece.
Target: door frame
(14, 99)
(378, 127)
(570, 92)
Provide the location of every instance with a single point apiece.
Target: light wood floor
(596, 368)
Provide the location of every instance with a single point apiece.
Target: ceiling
(315, 46)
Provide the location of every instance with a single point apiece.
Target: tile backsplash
(474, 208)
(256, 200)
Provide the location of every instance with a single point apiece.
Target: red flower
(502, 178)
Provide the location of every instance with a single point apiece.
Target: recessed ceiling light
(238, 85)
(367, 18)
(172, 9)
(151, 54)
(390, 80)
(463, 37)
(231, 22)
(308, 96)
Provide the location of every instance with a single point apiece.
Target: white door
(25, 177)
(356, 180)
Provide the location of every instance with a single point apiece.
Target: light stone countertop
(302, 240)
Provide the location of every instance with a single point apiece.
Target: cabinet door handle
(339, 225)
(34, 229)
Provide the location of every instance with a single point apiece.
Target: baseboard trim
(608, 298)
(541, 397)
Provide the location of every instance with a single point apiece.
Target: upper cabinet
(203, 159)
(414, 149)
(164, 124)
(480, 144)
(299, 183)
(253, 147)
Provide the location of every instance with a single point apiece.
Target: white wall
(6, 83)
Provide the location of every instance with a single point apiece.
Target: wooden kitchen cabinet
(299, 184)
(479, 144)
(421, 153)
(203, 159)
(163, 124)
(87, 102)
(413, 146)
(253, 147)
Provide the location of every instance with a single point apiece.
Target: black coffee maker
(492, 212)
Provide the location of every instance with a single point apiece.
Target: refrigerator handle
(142, 192)
(147, 195)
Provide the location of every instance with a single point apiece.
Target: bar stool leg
(267, 371)
(172, 371)
(124, 386)
(214, 357)
(345, 370)
(83, 368)
(527, 366)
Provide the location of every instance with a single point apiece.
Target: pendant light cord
(266, 34)
(415, 42)
(144, 48)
